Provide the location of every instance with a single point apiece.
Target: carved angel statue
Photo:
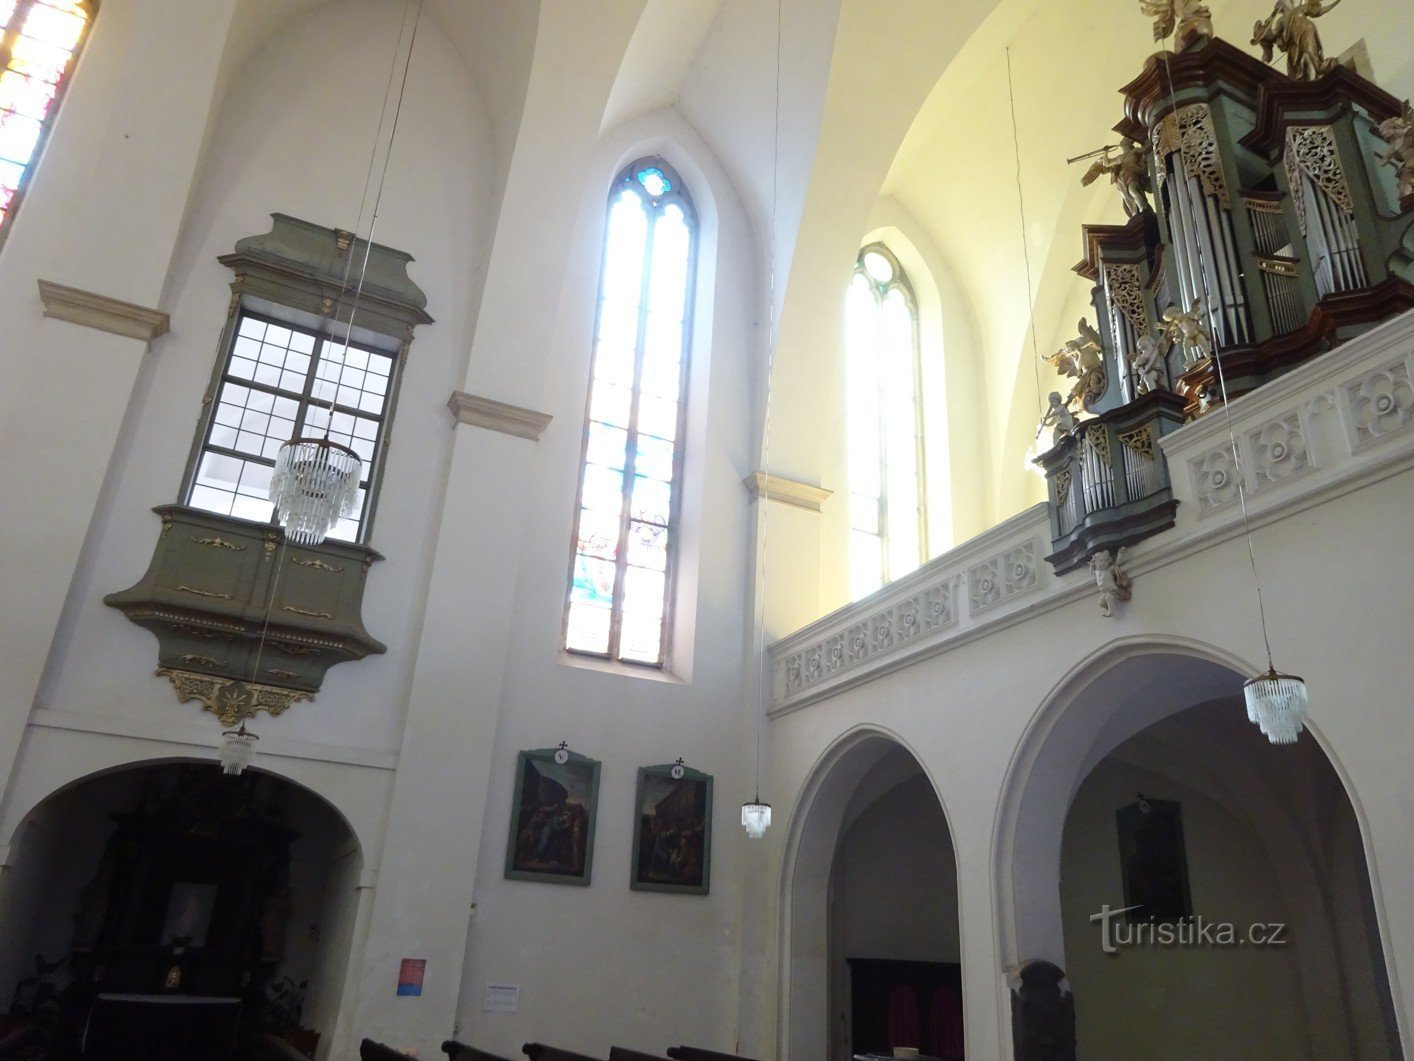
(1185, 328)
(1147, 361)
(1110, 577)
(1192, 19)
(1128, 171)
(1059, 417)
(1291, 29)
(1083, 360)
(1398, 132)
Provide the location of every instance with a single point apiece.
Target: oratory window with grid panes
(621, 581)
(884, 423)
(281, 381)
(39, 42)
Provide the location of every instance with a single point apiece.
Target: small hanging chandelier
(237, 750)
(1278, 704)
(756, 818)
(314, 486)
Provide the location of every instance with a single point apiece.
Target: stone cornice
(498, 416)
(101, 312)
(787, 491)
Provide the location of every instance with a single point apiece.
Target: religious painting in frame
(672, 830)
(552, 817)
(1154, 862)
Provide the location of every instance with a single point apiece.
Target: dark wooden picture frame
(553, 812)
(1154, 862)
(672, 831)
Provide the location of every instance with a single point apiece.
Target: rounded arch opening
(1142, 806)
(168, 878)
(871, 956)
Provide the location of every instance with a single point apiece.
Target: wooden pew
(692, 1053)
(623, 1053)
(368, 1050)
(540, 1052)
(461, 1052)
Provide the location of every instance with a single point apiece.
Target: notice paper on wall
(501, 998)
(410, 975)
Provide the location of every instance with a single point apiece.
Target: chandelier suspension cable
(316, 480)
(1025, 247)
(348, 266)
(1278, 704)
(756, 816)
(1237, 469)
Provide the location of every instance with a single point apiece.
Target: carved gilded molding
(230, 700)
(787, 491)
(101, 312)
(508, 419)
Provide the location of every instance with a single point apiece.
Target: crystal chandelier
(756, 818)
(314, 486)
(1278, 704)
(237, 750)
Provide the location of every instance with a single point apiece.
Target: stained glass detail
(654, 182)
(40, 38)
(622, 567)
(278, 383)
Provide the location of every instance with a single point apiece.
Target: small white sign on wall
(501, 998)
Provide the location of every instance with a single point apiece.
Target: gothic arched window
(39, 43)
(621, 579)
(884, 423)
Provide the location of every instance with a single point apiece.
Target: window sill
(625, 670)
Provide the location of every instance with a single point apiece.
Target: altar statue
(1083, 360)
(1185, 328)
(1192, 19)
(1291, 29)
(1128, 171)
(1398, 132)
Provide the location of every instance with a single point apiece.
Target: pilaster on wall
(135, 117)
(788, 552)
(423, 904)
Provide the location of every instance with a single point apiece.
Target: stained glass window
(625, 529)
(40, 41)
(280, 381)
(884, 431)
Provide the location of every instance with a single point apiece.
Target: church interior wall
(1251, 997)
(496, 187)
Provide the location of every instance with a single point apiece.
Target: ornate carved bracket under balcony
(231, 601)
(1108, 483)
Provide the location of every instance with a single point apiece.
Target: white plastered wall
(974, 716)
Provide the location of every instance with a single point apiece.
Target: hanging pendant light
(1278, 704)
(314, 486)
(755, 815)
(756, 818)
(237, 750)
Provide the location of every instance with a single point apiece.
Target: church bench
(461, 1052)
(692, 1053)
(368, 1050)
(540, 1052)
(623, 1053)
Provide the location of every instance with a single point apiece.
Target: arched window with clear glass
(39, 43)
(621, 580)
(884, 423)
